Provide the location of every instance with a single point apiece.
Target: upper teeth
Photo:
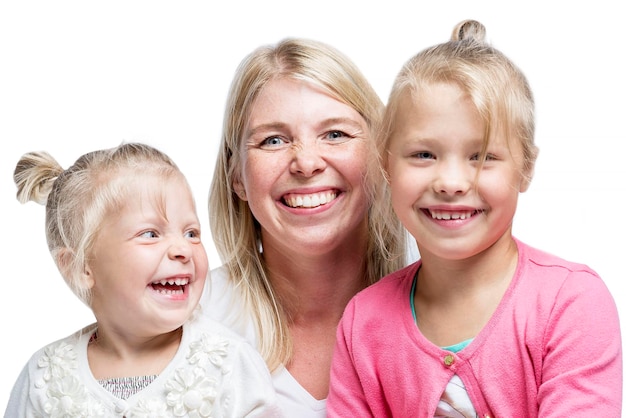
(178, 282)
(309, 200)
(450, 215)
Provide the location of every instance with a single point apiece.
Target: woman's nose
(308, 159)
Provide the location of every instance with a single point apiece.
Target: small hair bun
(34, 175)
(469, 30)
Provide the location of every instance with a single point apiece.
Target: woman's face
(304, 159)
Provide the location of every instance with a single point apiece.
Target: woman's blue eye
(272, 140)
(336, 134)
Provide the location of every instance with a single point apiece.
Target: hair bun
(469, 30)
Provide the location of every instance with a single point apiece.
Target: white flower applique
(150, 408)
(58, 360)
(209, 348)
(67, 395)
(191, 393)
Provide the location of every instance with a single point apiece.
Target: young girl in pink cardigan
(483, 325)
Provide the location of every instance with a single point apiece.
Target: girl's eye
(193, 235)
(149, 234)
(479, 157)
(423, 155)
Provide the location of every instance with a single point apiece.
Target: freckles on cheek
(249, 166)
(260, 171)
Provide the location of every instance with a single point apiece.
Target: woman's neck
(316, 286)
(313, 289)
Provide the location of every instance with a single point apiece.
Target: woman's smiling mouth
(311, 200)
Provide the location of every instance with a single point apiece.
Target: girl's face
(148, 265)
(303, 162)
(454, 207)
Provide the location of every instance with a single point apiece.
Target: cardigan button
(121, 406)
(448, 360)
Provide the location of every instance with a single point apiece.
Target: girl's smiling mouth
(175, 286)
(452, 214)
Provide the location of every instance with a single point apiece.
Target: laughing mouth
(170, 286)
(312, 200)
(453, 215)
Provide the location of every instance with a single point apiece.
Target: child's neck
(454, 300)
(111, 355)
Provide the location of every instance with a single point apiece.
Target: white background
(77, 76)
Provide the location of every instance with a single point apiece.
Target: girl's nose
(180, 249)
(452, 179)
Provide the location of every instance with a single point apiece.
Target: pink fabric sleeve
(581, 373)
(346, 397)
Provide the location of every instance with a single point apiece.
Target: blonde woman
(296, 211)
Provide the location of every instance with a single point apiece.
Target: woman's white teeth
(451, 215)
(309, 200)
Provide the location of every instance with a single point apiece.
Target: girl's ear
(64, 261)
(65, 258)
(527, 176)
(88, 279)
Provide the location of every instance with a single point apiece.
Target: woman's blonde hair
(495, 85)
(233, 226)
(78, 199)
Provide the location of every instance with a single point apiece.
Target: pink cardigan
(551, 349)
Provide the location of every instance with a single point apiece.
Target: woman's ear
(240, 189)
(525, 182)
